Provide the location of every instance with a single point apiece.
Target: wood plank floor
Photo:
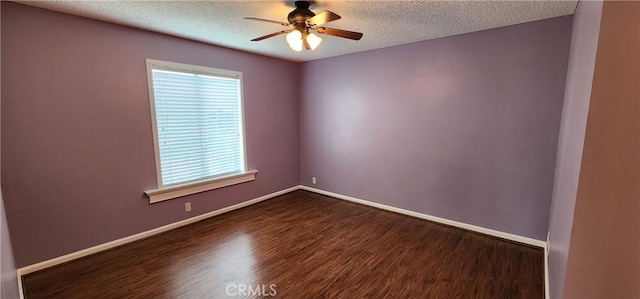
(302, 245)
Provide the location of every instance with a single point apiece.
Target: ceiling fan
(303, 21)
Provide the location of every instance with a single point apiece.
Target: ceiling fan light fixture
(313, 40)
(294, 39)
(301, 22)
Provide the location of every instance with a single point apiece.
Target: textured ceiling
(384, 23)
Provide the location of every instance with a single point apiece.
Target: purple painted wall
(584, 42)
(77, 148)
(8, 278)
(604, 255)
(463, 127)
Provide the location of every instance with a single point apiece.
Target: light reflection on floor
(230, 263)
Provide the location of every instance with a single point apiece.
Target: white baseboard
(479, 229)
(105, 246)
(546, 268)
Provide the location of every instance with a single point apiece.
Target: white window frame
(173, 191)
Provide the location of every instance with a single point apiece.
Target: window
(197, 119)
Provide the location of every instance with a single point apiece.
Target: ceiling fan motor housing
(301, 13)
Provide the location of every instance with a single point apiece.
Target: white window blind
(198, 118)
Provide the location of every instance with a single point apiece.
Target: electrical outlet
(313, 180)
(187, 207)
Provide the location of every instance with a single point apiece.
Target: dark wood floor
(307, 246)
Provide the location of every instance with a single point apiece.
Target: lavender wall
(464, 127)
(8, 278)
(604, 256)
(77, 148)
(584, 42)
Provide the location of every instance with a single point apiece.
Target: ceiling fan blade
(340, 33)
(322, 18)
(268, 21)
(270, 35)
(306, 44)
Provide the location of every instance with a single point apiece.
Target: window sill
(171, 192)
